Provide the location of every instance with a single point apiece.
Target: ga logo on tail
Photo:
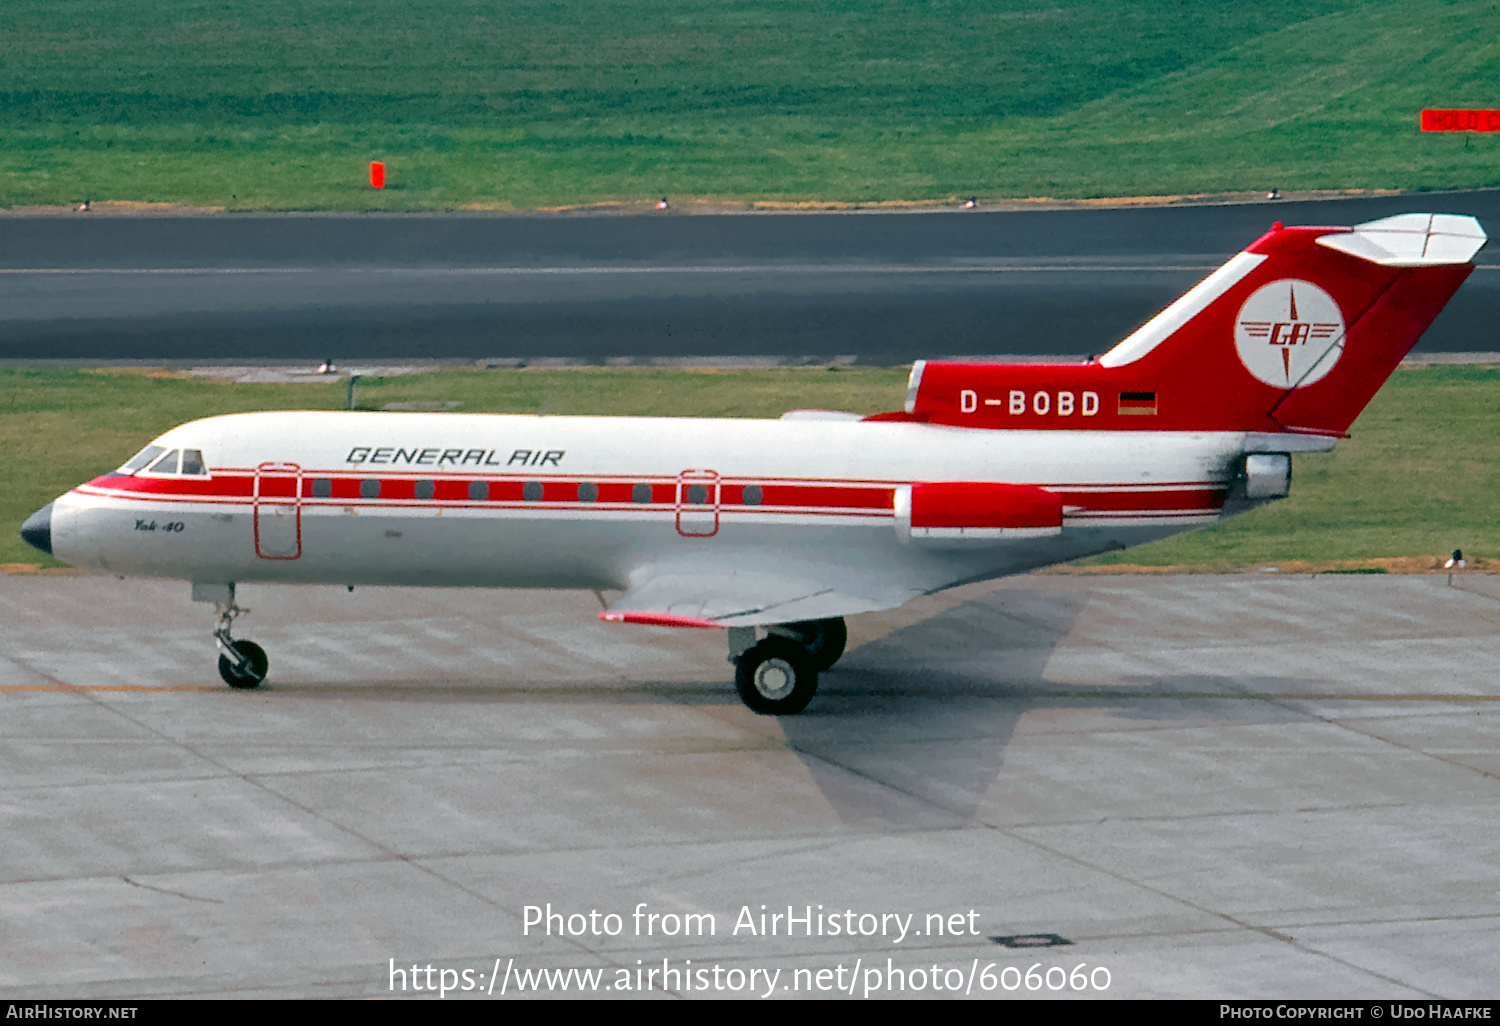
(1286, 329)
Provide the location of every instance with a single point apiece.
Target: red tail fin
(1294, 334)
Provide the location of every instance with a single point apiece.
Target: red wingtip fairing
(1294, 334)
(657, 619)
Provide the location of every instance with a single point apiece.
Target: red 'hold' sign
(1461, 121)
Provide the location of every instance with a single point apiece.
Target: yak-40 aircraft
(779, 529)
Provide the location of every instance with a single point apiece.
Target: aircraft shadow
(910, 731)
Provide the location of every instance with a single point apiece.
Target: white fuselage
(605, 503)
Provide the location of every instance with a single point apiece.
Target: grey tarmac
(1214, 786)
(887, 288)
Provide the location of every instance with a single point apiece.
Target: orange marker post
(377, 175)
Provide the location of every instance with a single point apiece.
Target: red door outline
(698, 519)
(278, 484)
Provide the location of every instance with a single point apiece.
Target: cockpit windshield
(167, 464)
(157, 461)
(142, 458)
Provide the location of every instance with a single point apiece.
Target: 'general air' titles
(457, 457)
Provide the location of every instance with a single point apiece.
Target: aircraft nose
(37, 531)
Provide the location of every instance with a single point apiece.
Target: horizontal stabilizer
(1412, 240)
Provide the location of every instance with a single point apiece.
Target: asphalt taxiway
(1211, 786)
(881, 288)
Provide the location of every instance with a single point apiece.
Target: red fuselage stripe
(506, 492)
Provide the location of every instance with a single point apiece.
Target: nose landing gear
(249, 666)
(242, 664)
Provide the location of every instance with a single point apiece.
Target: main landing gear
(778, 675)
(242, 664)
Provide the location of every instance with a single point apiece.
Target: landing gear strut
(242, 664)
(824, 640)
(778, 675)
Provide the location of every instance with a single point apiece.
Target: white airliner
(778, 529)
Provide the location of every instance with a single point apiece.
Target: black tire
(255, 670)
(776, 677)
(824, 640)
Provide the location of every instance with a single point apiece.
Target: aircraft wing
(748, 598)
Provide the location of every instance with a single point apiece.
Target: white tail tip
(1412, 240)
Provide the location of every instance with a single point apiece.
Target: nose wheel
(242, 664)
(248, 669)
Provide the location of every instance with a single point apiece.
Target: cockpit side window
(158, 461)
(142, 458)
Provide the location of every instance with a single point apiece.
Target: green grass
(1418, 477)
(280, 104)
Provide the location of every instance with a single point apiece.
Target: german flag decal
(1137, 403)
